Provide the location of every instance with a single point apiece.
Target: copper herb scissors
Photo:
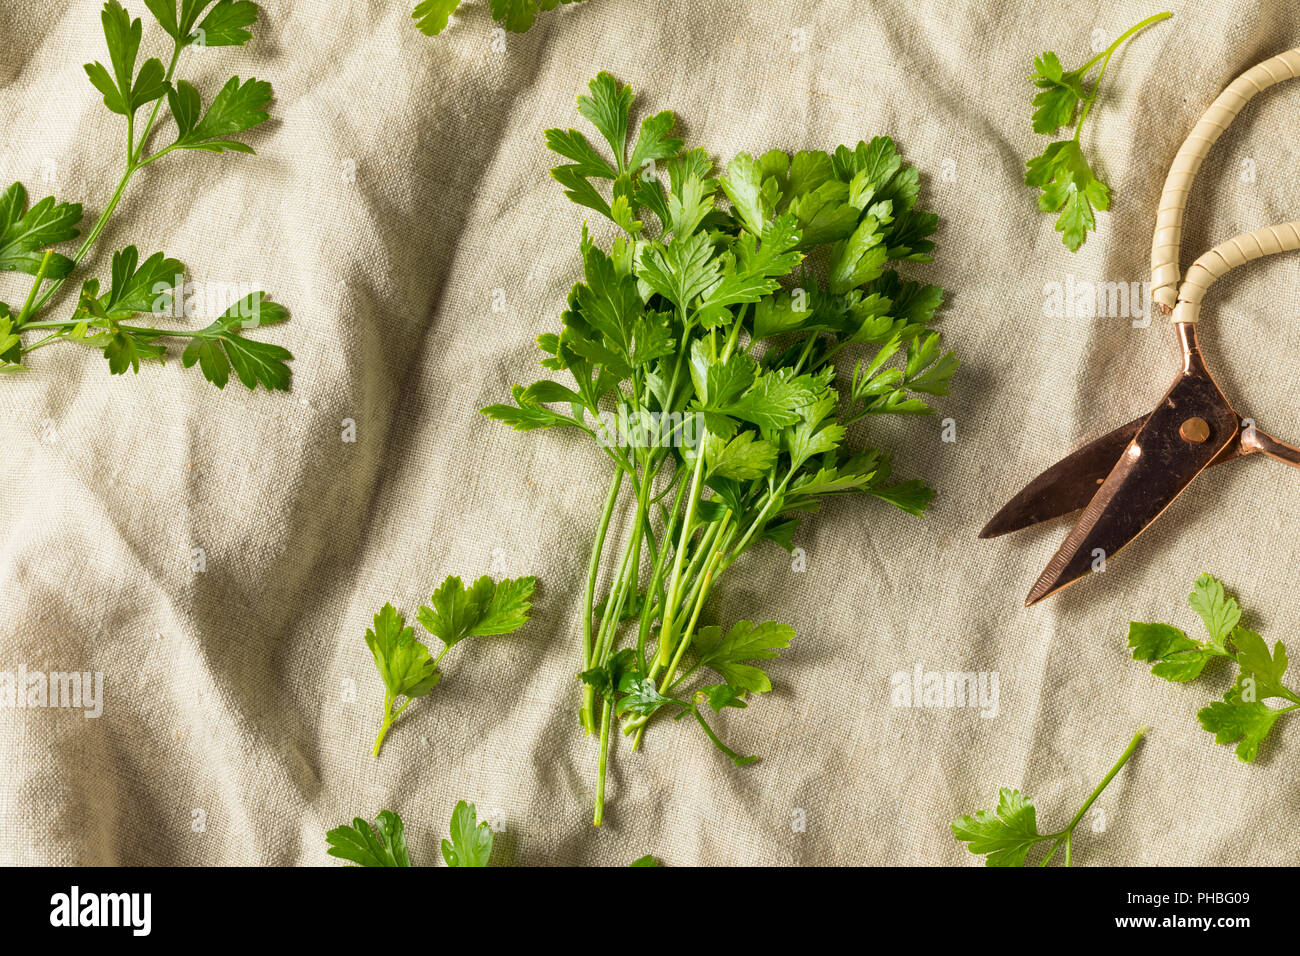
(1123, 481)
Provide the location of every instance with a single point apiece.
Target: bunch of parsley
(1242, 717)
(104, 314)
(1069, 185)
(700, 345)
(517, 16)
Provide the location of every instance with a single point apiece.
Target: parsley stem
(666, 630)
(1104, 57)
(601, 762)
(657, 577)
(626, 579)
(1092, 797)
(1066, 837)
(587, 713)
(36, 286)
(132, 153)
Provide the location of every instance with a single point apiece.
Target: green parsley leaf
(404, 663)
(646, 860)
(1241, 717)
(125, 91)
(1179, 658)
(1005, 834)
(226, 24)
(360, 844)
(26, 233)
(222, 345)
(432, 15)
(745, 641)
(485, 609)
(1060, 95)
(1235, 721)
(1219, 612)
(236, 108)
(470, 844)
(1070, 188)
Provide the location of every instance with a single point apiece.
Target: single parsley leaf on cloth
(1178, 658)
(236, 108)
(1069, 185)
(360, 844)
(408, 669)
(1242, 717)
(26, 233)
(470, 844)
(221, 345)
(1219, 612)
(1060, 94)
(404, 663)
(1006, 834)
(646, 860)
(225, 25)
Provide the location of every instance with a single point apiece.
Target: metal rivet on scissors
(1126, 479)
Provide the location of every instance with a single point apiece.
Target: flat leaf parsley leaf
(407, 668)
(1242, 717)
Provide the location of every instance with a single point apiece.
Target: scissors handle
(1254, 440)
(1168, 238)
(1226, 256)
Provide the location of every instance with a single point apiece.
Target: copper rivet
(1195, 430)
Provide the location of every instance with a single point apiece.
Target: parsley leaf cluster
(384, 844)
(1067, 181)
(105, 314)
(455, 612)
(517, 16)
(1005, 835)
(698, 351)
(1243, 717)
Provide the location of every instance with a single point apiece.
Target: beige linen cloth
(400, 205)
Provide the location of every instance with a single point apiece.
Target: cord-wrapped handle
(1226, 256)
(1168, 238)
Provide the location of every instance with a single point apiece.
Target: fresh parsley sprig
(517, 16)
(1006, 834)
(1062, 172)
(1242, 717)
(456, 613)
(699, 345)
(104, 318)
(385, 843)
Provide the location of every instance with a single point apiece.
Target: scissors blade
(1155, 468)
(1065, 487)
